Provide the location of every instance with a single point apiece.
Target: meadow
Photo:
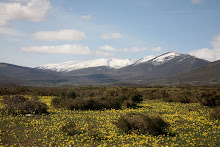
(190, 124)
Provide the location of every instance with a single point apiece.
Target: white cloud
(98, 53)
(107, 48)
(25, 1)
(156, 49)
(196, 1)
(32, 10)
(67, 35)
(216, 42)
(133, 49)
(203, 53)
(74, 49)
(111, 36)
(86, 17)
(125, 50)
(10, 31)
(209, 54)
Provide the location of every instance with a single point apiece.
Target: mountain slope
(209, 74)
(18, 74)
(13, 74)
(7, 80)
(161, 66)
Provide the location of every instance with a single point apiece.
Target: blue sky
(37, 32)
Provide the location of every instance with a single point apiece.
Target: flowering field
(96, 128)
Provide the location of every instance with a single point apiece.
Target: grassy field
(96, 128)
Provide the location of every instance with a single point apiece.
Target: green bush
(130, 104)
(132, 100)
(20, 105)
(95, 103)
(106, 100)
(100, 103)
(209, 98)
(88, 104)
(140, 123)
(136, 97)
(215, 114)
(68, 94)
(182, 99)
(64, 100)
(91, 129)
(59, 102)
(70, 128)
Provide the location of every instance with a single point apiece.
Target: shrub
(87, 104)
(169, 99)
(149, 94)
(132, 100)
(92, 131)
(116, 102)
(111, 93)
(209, 99)
(136, 97)
(130, 104)
(68, 94)
(70, 128)
(98, 102)
(155, 94)
(80, 103)
(140, 123)
(15, 100)
(64, 100)
(183, 99)
(215, 114)
(71, 94)
(35, 107)
(59, 102)
(20, 105)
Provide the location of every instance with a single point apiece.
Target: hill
(13, 74)
(208, 74)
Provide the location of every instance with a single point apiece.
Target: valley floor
(187, 128)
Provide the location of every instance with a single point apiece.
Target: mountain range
(167, 69)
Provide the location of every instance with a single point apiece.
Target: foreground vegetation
(185, 122)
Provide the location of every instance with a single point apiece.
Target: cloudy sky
(37, 32)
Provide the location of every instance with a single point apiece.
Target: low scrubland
(109, 116)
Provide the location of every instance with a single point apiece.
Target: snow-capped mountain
(150, 69)
(165, 57)
(158, 60)
(144, 60)
(161, 65)
(71, 65)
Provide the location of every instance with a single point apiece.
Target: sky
(38, 32)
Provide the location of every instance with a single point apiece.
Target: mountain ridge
(145, 71)
(110, 63)
(71, 65)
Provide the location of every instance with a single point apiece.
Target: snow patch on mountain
(71, 65)
(119, 63)
(57, 67)
(145, 59)
(110, 63)
(158, 60)
(164, 58)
